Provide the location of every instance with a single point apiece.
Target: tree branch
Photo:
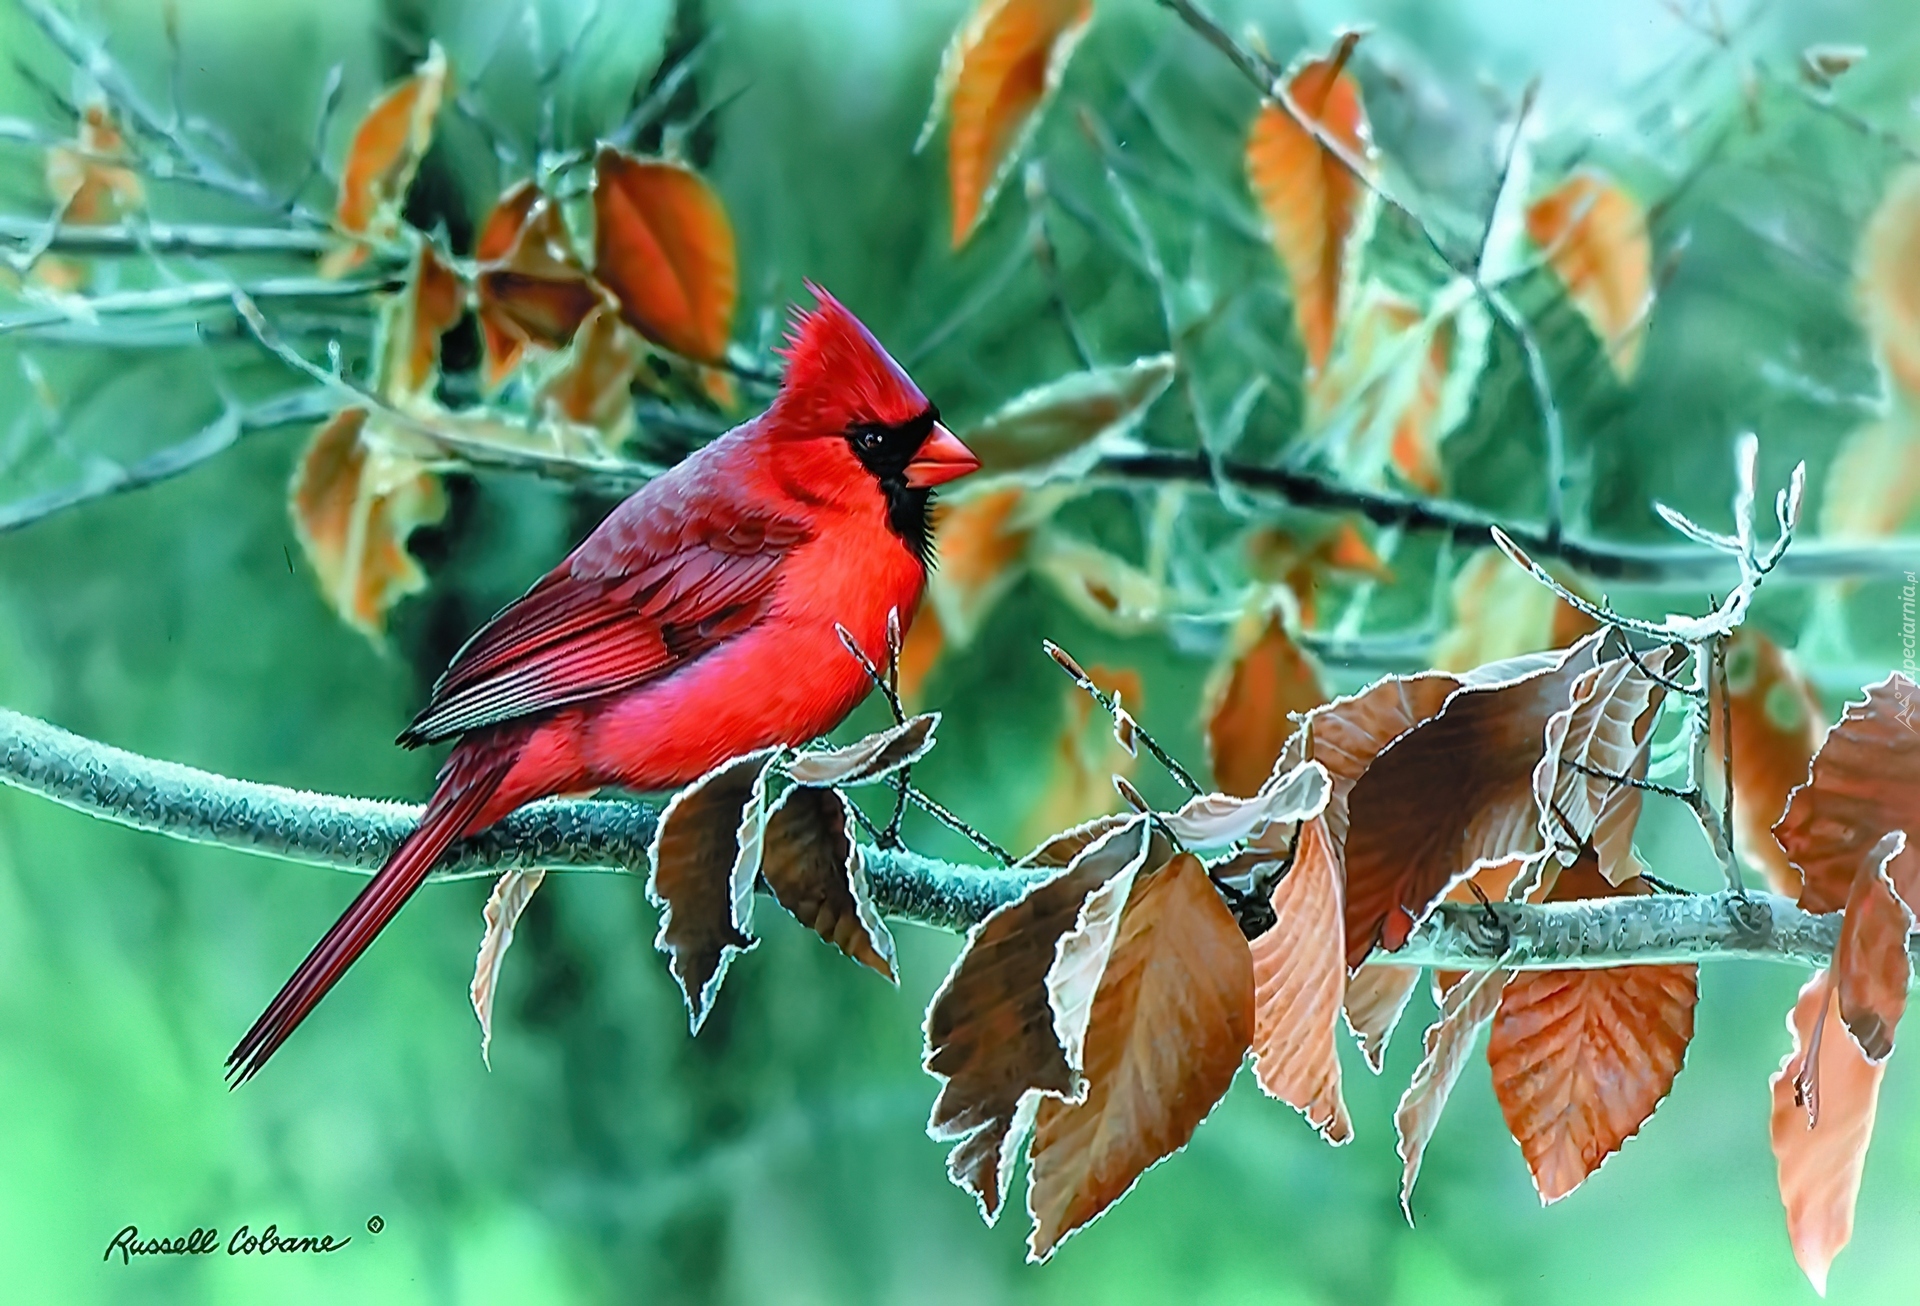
(139, 239)
(358, 833)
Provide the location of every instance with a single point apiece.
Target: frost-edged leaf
(1821, 1153)
(1887, 282)
(866, 760)
(1300, 986)
(1593, 748)
(809, 859)
(1313, 203)
(1262, 680)
(999, 70)
(1376, 997)
(1068, 422)
(1214, 820)
(663, 245)
(705, 857)
(355, 499)
(1865, 784)
(1169, 1025)
(1594, 236)
(1499, 611)
(1451, 795)
(387, 147)
(1871, 968)
(511, 893)
(1777, 725)
(1581, 1058)
(1062, 848)
(990, 1035)
(1465, 1010)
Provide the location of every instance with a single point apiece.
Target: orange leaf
(1263, 678)
(355, 501)
(387, 148)
(1170, 1023)
(998, 72)
(1873, 483)
(1582, 1057)
(1887, 282)
(1500, 611)
(87, 182)
(1465, 1010)
(413, 322)
(663, 245)
(1453, 793)
(1311, 200)
(1304, 564)
(1865, 784)
(593, 386)
(532, 288)
(1821, 1141)
(1383, 389)
(1777, 724)
(1871, 970)
(980, 541)
(1594, 235)
(1300, 981)
(919, 651)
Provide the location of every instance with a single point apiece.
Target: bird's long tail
(459, 807)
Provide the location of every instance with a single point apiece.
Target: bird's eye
(866, 440)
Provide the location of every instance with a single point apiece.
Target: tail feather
(455, 811)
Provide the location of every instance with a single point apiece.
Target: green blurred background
(780, 1156)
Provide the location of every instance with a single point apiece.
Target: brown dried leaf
(1467, 1007)
(592, 383)
(663, 245)
(387, 148)
(511, 893)
(999, 71)
(810, 861)
(1601, 733)
(1262, 679)
(1075, 414)
(532, 288)
(1376, 996)
(990, 1031)
(1887, 282)
(1452, 794)
(705, 857)
(1594, 236)
(1062, 848)
(1300, 981)
(1865, 784)
(980, 541)
(1312, 202)
(355, 499)
(1777, 725)
(865, 760)
(1871, 969)
(1170, 1023)
(1821, 1154)
(1214, 820)
(1581, 1058)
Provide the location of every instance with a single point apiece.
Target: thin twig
(169, 299)
(1115, 709)
(142, 238)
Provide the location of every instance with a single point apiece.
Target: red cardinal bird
(696, 623)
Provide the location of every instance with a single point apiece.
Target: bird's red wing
(591, 628)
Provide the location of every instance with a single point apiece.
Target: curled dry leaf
(1821, 1154)
(411, 324)
(1261, 681)
(1452, 794)
(1465, 1010)
(1499, 611)
(387, 148)
(355, 499)
(999, 70)
(1887, 282)
(1303, 563)
(1594, 748)
(511, 893)
(1064, 425)
(810, 861)
(1215, 820)
(1865, 784)
(1376, 996)
(1062, 848)
(1777, 725)
(663, 245)
(1313, 203)
(532, 288)
(1594, 236)
(1086, 757)
(705, 857)
(990, 1030)
(1300, 984)
(1169, 1024)
(1871, 968)
(866, 760)
(592, 383)
(1582, 1057)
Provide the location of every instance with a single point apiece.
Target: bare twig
(141, 239)
(1114, 708)
(195, 295)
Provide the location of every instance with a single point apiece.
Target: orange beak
(942, 458)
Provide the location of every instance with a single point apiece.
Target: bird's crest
(838, 373)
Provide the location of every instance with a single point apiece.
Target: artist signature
(245, 1241)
